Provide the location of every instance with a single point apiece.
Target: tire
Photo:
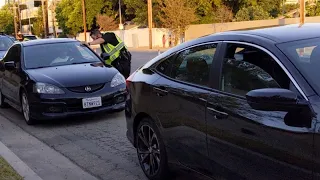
(155, 153)
(2, 103)
(26, 109)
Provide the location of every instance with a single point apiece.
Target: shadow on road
(79, 120)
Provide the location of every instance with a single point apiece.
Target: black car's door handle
(160, 91)
(218, 114)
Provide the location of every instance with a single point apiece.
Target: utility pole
(84, 20)
(121, 27)
(120, 12)
(53, 10)
(150, 22)
(15, 18)
(19, 15)
(44, 19)
(302, 13)
(28, 11)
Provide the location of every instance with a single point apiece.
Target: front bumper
(55, 107)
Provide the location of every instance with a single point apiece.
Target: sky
(1, 3)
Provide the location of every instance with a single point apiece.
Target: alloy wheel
(148, 150)
(25, 107)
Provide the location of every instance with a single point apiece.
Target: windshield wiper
(39, 67)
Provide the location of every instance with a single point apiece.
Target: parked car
(233, 105)
(5, 44)
(30, 37)
(55, 78)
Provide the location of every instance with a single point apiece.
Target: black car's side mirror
(105, 56)
(10, 65)
(274, 99)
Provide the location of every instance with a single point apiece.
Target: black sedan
(233, 105)
(56, 78)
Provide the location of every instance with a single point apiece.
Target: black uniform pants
(123, 63)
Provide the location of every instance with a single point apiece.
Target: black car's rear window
(57, 54)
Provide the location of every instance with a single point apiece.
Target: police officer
(110, 43)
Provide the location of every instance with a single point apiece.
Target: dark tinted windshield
(58, 54)
(5, 43)
(305, 54)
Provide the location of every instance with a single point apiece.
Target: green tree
(139, 9)
(176, 15)
(204, 10)
(313, 10)
(6, 20)
(69, 13)
(106, 23)
(222, 14)
(273, 7)
(37, 28)
(252, 13)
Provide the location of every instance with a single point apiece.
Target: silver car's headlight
(44, 88)
(117, 80)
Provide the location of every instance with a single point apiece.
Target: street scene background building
(28, 12)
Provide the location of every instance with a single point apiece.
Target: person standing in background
(164, 41)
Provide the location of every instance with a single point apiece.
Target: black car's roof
(47, 41)
(282, 34)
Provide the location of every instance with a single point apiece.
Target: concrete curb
(17, 164)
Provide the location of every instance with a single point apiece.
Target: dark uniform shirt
(109, 38)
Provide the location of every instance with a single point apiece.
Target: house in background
(29, 12)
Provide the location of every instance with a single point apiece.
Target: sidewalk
(19, 166)
(33, 159)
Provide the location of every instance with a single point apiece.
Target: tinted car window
(5, 43)
(13, 54)
(58, 54)
(192, 65)
(305, 55)
(246, 68)
(165, 66)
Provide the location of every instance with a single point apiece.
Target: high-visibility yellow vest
(113, 51)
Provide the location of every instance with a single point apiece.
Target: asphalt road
(97, 144)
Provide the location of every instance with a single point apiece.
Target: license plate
(91, 102)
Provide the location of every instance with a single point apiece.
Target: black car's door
(244, 143)
(181, 93)
(11, 77)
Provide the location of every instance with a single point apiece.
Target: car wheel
(2, 103)
(151, 151)
(26, 109)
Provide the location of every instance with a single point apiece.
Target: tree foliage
(252, 13)
(173, 14)
(69, 13)
(139, 9)
(222, 14)
(176, 15)
(37, 28)
(6, 20)
(313, 10)
(106, 23)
